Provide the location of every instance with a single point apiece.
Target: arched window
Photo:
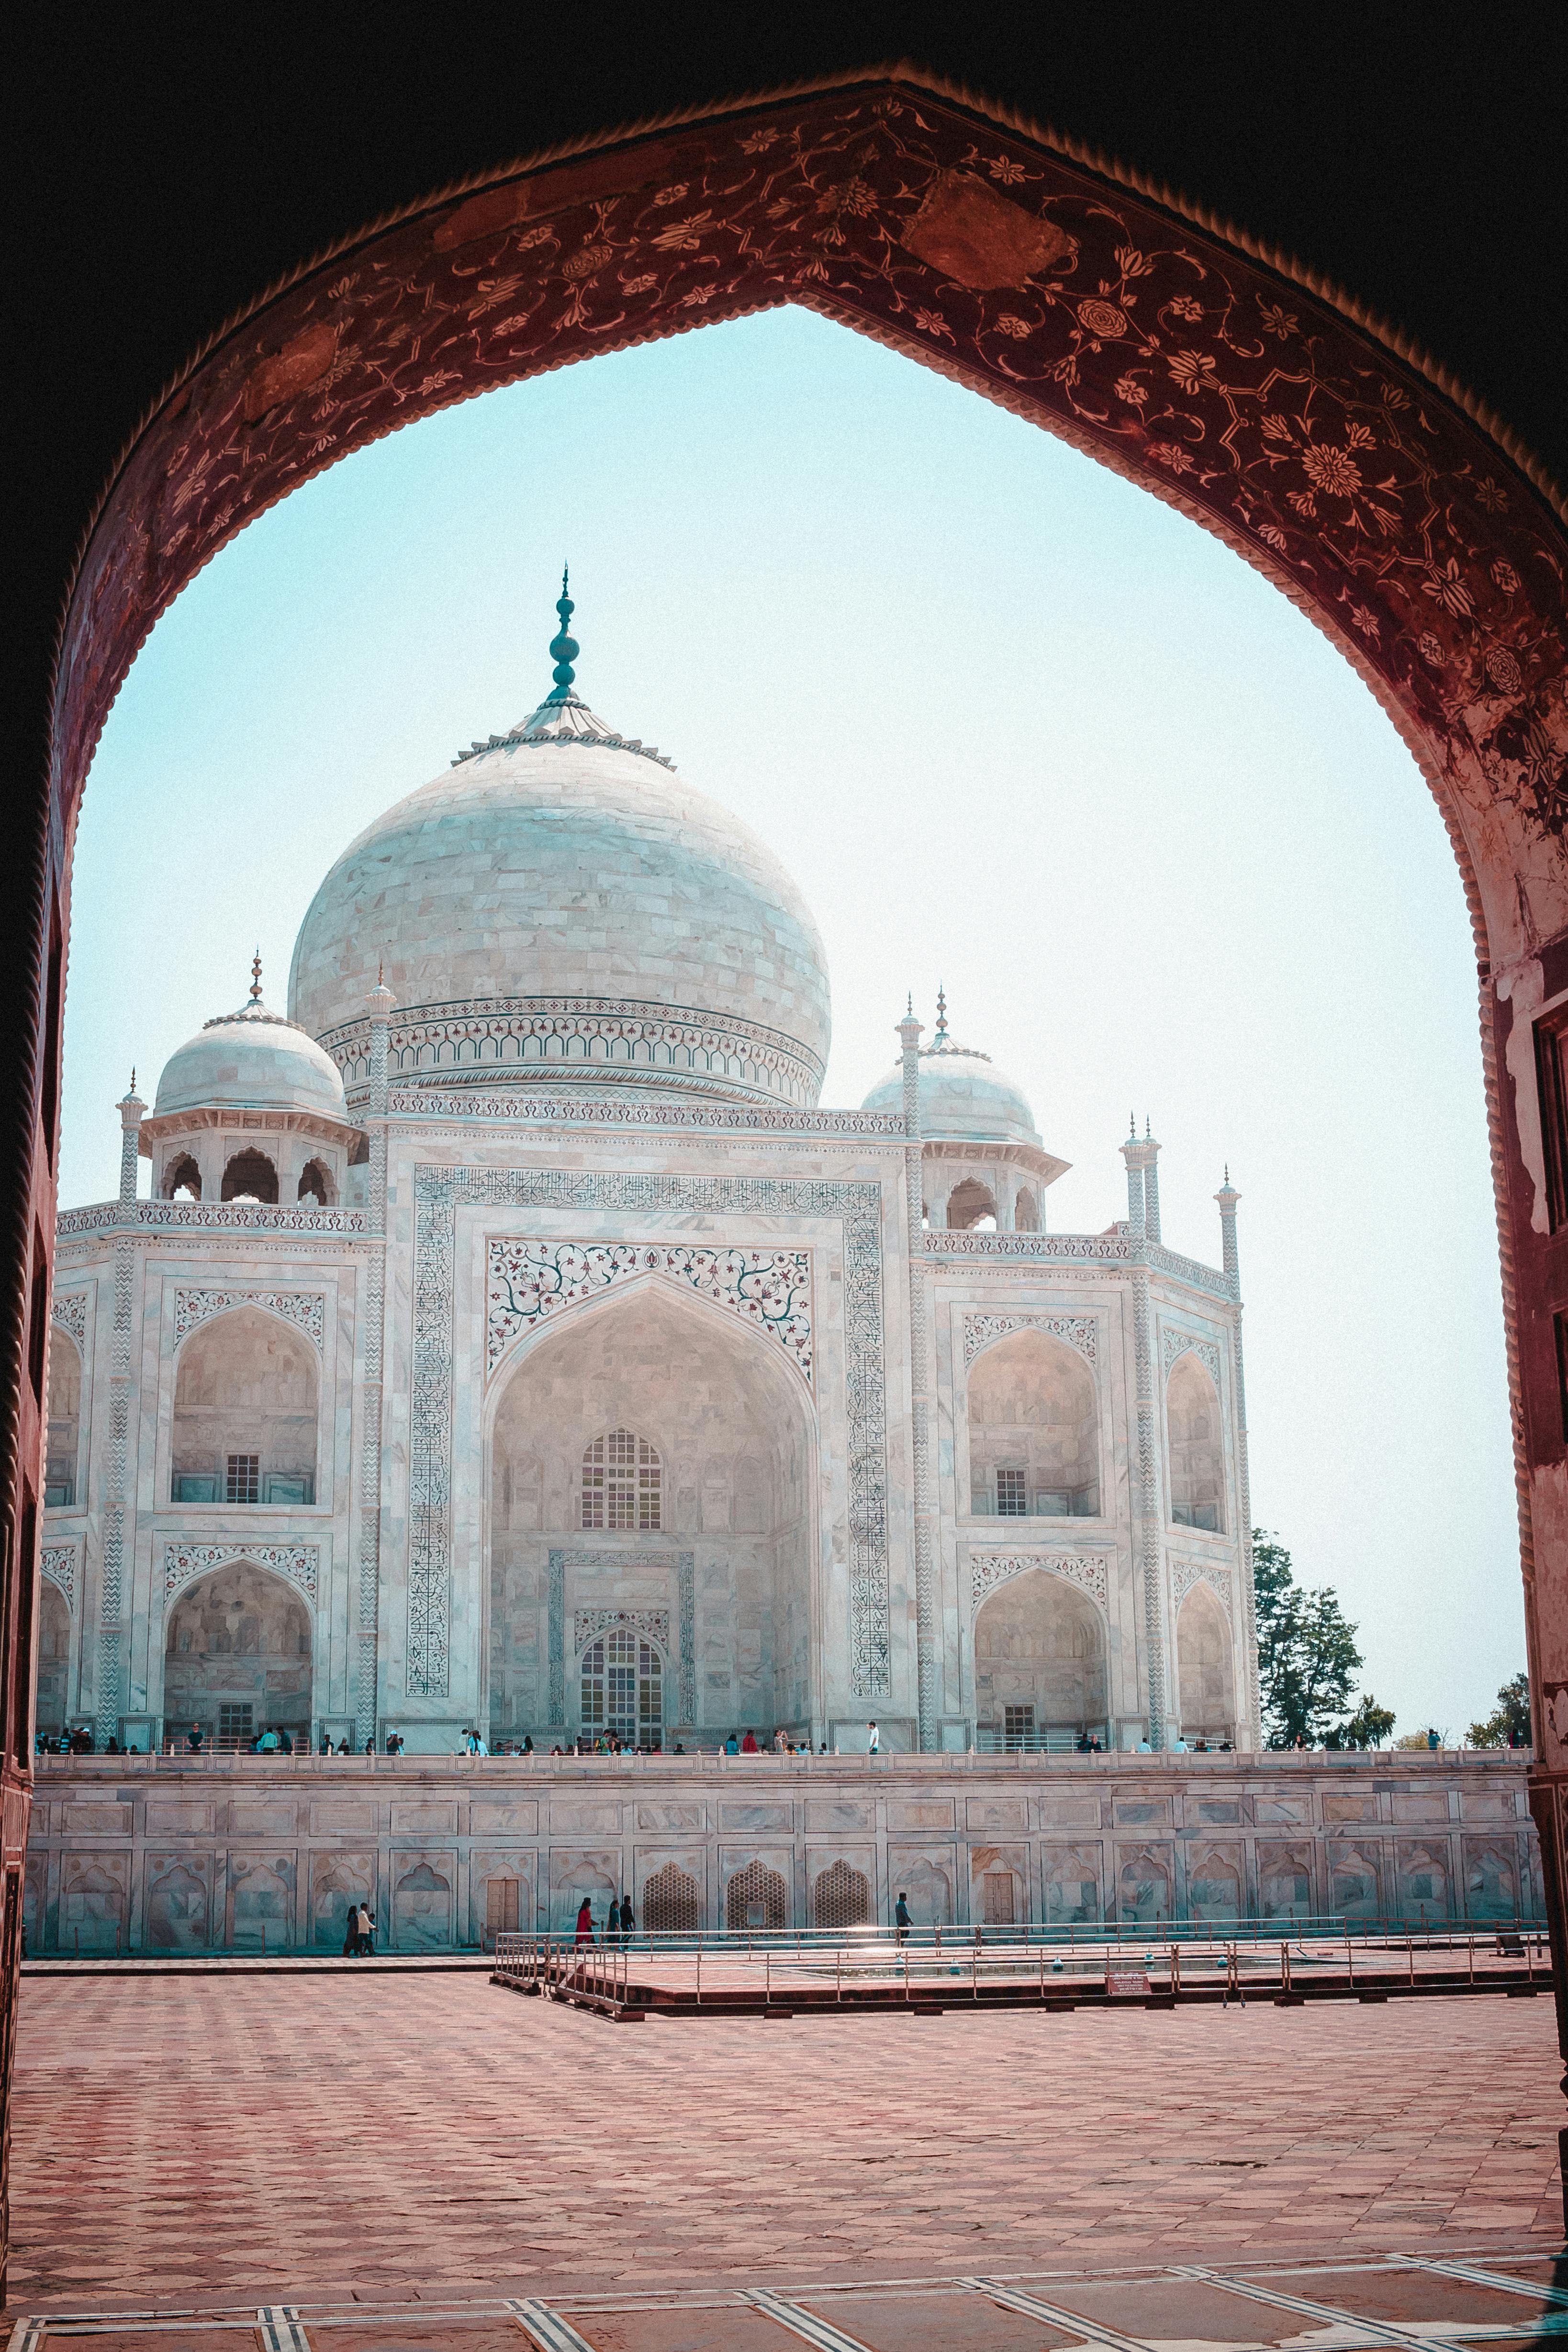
(841, 1898)
(250, 1176)
(621, 1483)
(971, 1208)
(182, 1176)
(1025, 1212)
(1197, 1455)
(671, 1902)
(756, 1897)
(315, 1184)
(623, 1687)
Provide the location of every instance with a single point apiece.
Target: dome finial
(940, 1038)
(563, 647)
(256, 977)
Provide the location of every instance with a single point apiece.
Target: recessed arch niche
(247, 1392)
(1205, 1667)
(238, 1655)
(54, 1657)
(63, 1454)
(1040, 1669)
(730, 1422)
(1034, 1430)
(1195, 1440)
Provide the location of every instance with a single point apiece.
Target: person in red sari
(584, 1924)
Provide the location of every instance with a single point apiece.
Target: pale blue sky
(1014, 726)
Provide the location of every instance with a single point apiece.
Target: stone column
(110, 1661)
(380, 1003)
(1227, 1196)
(1150, 1186)
(132, 1111)
(920, 1390)
(1147, 1513)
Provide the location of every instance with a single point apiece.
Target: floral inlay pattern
(306, 1309)
(299, 1562)
(987, 1569)
(1079, 1331)
(1173, 1345)
(529, 1281)
(69, 1309)
(1190, 1572)
(59, 1564)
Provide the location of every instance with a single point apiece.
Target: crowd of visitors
(619, 1923)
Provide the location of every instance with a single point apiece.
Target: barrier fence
(783, 1972)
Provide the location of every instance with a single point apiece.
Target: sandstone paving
(404, 2137)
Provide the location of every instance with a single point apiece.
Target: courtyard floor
(201, 2142)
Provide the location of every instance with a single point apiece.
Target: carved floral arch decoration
(1393, 511)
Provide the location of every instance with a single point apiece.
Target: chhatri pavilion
(509, 1339)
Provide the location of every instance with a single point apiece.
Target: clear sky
(1015, 726)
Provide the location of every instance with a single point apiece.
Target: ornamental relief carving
(988, 1570)
(59, 1564)
(527, 1282)
(587, 1622)
(305, 1309)
(720, 1117)
(1189, 1572)
(69, 1309)
(1079, 1331)
(1173, 1345)
(299, 1562)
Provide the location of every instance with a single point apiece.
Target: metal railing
(821, 1968)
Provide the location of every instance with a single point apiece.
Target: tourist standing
(749, 1745)
(627, 1921)
(584, 1923)
(193, 1738)
(873, 1739)
(613, 1924)
(732, 1744)
(902, 1920)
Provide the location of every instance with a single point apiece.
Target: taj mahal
(506, 1336)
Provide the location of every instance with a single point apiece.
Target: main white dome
(562, 906)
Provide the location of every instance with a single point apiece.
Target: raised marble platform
(160, 1855)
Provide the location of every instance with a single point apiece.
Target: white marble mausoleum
(510, 1338)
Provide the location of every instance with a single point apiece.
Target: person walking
(902, 1920)
(873, 1739)
(351, 1931)
(584, 1923)
(627, 1921)
(613, 1924)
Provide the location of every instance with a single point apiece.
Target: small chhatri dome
(964, 1098)
(560, 907)
(251, 1060)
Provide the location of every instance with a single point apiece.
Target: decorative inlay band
(527, 1107)
(1079, 1331)
(1189, 1572)
(528, 1281)
(59, 1564)
(306, 1309)
(208, 1217)
(987, 1569)
(587, 1622)
(1110, 1249)
(69, 1309)
(1173, 1345)
(563, 1039)
(299, 1562)
(855, 1203)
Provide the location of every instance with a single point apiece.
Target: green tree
(1307, 1654)
(1369, 1726)
(1507, 1725)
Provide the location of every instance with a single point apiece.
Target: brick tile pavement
(195, 2140)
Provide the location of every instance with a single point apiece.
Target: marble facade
(415, 1252)
(164, 1855)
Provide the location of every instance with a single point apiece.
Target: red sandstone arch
(1404, 522)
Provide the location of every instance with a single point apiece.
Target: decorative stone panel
(989, 1569)
(299, 1562)
(1079, 1331)
(306, 1309)
(528, 1281)
(653, 1623)
(439, 1191)
(59, 1564)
